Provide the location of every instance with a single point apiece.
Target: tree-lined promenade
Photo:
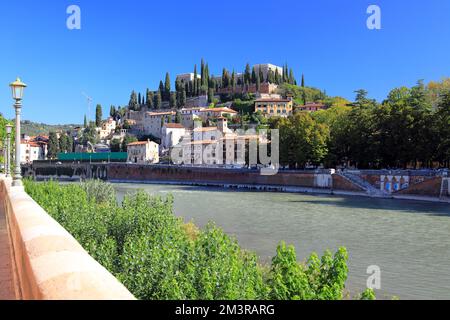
(410, 129)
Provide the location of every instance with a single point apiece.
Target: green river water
(408, 240)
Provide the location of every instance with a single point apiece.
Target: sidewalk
(6, 274)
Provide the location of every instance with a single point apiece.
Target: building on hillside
(143, 152)
(154, 121)
(311, 107)
(274, 107)
(208, 113)
(266, 67)
(200, 101)
(107, 129)
(33, 148)
(265, 88)
(186, 77)
(172, 134)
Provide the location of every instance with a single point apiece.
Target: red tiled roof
(272, 100)
(174, 125)
(137, 143)
(226, 110)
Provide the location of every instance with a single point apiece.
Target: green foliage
(53, 146)
(127, 140)
(300, 94)
(31, 128)
(303, 141)
(368, 294)
(318, 279)
(98, 115)
(157, 256)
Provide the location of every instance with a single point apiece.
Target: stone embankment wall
(49, 262)
(143, 173)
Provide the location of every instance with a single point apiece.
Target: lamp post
(17, 93)
(8, 150)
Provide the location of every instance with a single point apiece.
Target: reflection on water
(408, 240)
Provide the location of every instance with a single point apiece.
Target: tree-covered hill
(33, 128)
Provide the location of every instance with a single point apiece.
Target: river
(408, 240)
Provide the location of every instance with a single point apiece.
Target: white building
(172, 134)
(265, 67)
(143, 152)
(31, 151)
(154, 121)
(186, 77)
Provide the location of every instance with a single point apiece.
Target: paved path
(6, 275)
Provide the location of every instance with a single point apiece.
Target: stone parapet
(49, 263)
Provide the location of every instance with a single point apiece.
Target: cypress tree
(161, 89)
(277, 77)
(178, 117)
(291, 77)
(157, 100)
(85, 122)
(173, 100)
(261, 75)
(210, 95)
(53, 145)
(150, 99)
(258, 83)
(133, 103)
(167, 87)
(194, 82)
(202, 71)
(98, 115)
(253, 75)
(247, 75)
(303, 80)
(206, 76)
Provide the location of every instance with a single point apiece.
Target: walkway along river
(408, 240)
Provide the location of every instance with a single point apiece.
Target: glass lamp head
(17, 88)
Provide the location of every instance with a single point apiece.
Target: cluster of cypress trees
(206, 84)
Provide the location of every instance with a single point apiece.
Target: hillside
(33, 128)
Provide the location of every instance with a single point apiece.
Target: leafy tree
(127, 140)
(115, 145)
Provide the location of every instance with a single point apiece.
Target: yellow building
(274, 107)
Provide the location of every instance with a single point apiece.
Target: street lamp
(17, 88)
(8, 150)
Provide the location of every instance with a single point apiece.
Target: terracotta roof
(227, 110)
(272, 100)
(312, 104)
(137, 143)
(197, 142)
(174, 125)
(164, 113)
(201, 129)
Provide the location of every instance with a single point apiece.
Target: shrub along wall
(157, 256)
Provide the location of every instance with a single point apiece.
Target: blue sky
(125, 45)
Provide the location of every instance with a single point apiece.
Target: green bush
(157, 256)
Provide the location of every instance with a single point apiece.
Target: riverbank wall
(419, 185)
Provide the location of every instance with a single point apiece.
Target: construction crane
(89, 101)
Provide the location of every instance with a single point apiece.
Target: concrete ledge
(50, 263)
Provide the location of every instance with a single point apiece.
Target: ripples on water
(408, 240)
